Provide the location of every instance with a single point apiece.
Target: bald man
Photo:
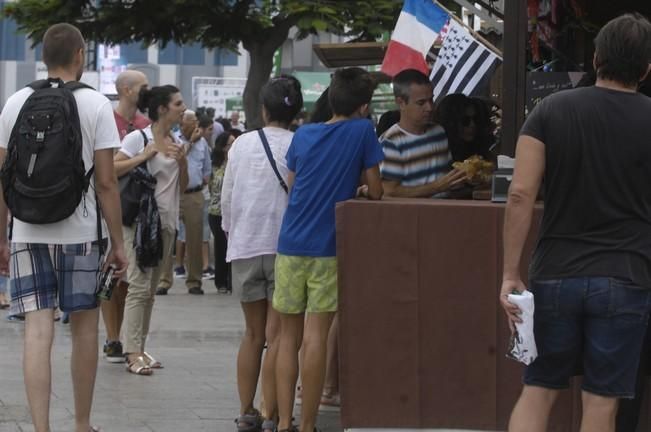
(128, 84)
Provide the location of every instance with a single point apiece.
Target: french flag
(418, 27)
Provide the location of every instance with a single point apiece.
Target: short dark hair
(403, 80)
(623, 49)
(204, 121)
(321, 111)
(217, 156)
(159, 96)
(349, 90)
(282, 98)
(60, 44)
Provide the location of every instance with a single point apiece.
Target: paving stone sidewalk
(197, 339)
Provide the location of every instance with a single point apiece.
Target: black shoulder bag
(270, 156)
(131, 191)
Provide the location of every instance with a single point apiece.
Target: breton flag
(418, 27)
(463, 65)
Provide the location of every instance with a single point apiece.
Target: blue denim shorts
(596, 324)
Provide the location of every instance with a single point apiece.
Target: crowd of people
(267, 199)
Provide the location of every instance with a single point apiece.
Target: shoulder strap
(39, 84)
(144, 137)
(270, 156)
(76, 85)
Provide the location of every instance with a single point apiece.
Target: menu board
(542, 84)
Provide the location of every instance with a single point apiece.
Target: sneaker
(113, 352)
(179, 273)
(161, 291)
(195, 290)
(208, 273)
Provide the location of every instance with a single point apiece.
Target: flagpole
(471, 30)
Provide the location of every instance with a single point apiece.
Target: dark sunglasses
(466, 120)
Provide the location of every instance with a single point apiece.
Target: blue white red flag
(419, 26)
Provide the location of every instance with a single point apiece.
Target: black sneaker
(113, 352)
(195, 291)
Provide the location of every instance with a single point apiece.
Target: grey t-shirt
(597, 218)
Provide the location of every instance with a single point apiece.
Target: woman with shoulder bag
(253, 200)
(154, 159)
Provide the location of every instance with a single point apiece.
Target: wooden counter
(423, 338)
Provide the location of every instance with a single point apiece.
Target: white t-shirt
(253, 202)
(165, 170)
(98, 132)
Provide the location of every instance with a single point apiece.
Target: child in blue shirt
(326, 161)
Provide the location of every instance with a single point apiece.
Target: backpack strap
(270, 156)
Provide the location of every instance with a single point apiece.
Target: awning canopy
(350, 54)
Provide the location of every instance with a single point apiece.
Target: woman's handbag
(131, 192)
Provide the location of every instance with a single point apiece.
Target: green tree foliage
(260, 25)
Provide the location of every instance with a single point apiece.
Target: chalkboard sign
(542, 84)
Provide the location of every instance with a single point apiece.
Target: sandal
(139, 367)
(330, 402)
(152, 362)
(249, 422)
(268, 426)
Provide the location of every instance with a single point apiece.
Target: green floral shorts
(305, 284)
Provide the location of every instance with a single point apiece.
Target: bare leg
(531, 412)
(250, 354)
(269, 364)
(84, 364)
(331, 386)
(291, 334)
(315, 342)
(599, 413)
(205, 255)
(37, 368)
(113, 312)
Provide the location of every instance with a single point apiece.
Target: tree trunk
(262, 50)
(262, 58)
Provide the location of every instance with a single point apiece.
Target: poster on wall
(109, 66)
(214, 92)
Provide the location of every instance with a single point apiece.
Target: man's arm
(527, 177)
(106, 186)
(450, 180)
(373, 181)
(291, 177)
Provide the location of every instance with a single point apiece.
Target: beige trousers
(142, 290)
(191, 214)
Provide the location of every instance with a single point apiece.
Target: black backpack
(43, 176)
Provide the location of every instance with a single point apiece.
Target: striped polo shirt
(415, 160)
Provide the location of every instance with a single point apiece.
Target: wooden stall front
(423, 338)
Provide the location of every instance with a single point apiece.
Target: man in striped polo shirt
(417, 160)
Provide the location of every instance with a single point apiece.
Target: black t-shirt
(597, 218)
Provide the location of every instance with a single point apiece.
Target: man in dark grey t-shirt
(591, 270)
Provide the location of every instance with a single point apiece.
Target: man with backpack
(56, 147)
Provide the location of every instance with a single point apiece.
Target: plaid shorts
(46, 276)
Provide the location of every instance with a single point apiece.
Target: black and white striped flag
(463, 65)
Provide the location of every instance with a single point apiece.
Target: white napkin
(522, 346)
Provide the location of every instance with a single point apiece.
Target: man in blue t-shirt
(325, 161)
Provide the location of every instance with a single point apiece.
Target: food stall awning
(350, 54)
